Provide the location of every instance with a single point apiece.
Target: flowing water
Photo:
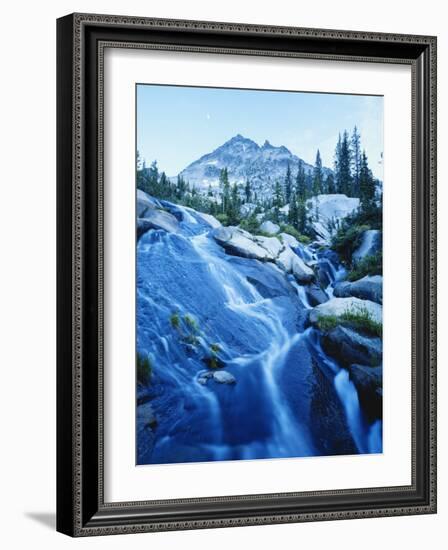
(289, 399)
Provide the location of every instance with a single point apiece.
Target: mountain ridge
(244, 159)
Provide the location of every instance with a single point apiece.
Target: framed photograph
(246, 274)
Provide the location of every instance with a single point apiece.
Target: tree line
(351, 176)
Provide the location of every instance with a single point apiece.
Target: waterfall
(263, 343)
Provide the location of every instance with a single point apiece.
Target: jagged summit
(244, 159)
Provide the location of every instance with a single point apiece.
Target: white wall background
(27, 285)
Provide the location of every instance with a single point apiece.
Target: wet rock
(146, 416)
(220, 376)
(370, 245)
(145, 202)
(315, 295)
(224, 377)
(156, 219)
(240, 243)
(367, 288)
(348, 346)
(289, 240)
(271, 244)
(208, 219)
(369, 384)
(330, 209)
(291, 263)
(338, 306)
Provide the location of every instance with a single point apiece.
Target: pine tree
(343, 165)
(301, 181)
(225, 190)
(288, 184)
(317, 175)
(330, 184)
(247, 191)
(366, 185)
(337, 168)
(277, 201)
(356, 160)
(234, 207)
(292, 214)
(302, 216)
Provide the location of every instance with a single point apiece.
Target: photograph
(259, 274)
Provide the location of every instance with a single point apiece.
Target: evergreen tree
(308, 185)
(330, 185)
(292, 214)
(225, 190)
(164, 190)
(288, 184)
(343, 165)
(277, 201)
(302, 216)
(317, 175)
(301, 181)
(356, 160)
(337, 168)
(138, 161)
(366, 186)
(234, 208)
(181, 187)
(247, 191)
(153, 173)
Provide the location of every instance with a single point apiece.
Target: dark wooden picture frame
(81, 510)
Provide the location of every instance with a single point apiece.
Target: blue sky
(177, 125)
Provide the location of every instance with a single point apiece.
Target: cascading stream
(259, 326)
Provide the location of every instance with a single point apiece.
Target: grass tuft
(370, 265)
(359, 319)
(144, 369)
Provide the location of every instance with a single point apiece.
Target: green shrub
(175, 320)
(191, 323)
(215, 348)
(291, 230)
(250, 224)
(186, 327)
(223, 218)
(370, 265)
(360, 319)
(144, 369)
(347, 240)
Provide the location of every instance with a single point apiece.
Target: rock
(208, 219)
(271, 244)
(146, 424)
(289, 240)
(369, 384)
(145, 201)
(369, 287)
(370, 245)
(349, 346)
(291, 263)
(315, 295)
(338, 306)
(220, 376)
(145, 416)
(224, 377)
(157, 219)
(330, 209)
(270, 227)
(204, 377)
(240, 243)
